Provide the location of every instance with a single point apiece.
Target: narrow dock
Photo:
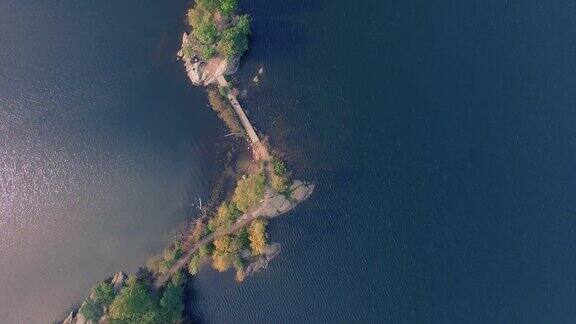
(240, 112)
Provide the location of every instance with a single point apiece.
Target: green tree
(209, 5)
(171, 302)
(249, 191)
(225, 217)
(194, 264)
(134, 304)
(227, 7)
(242, 238)
(104, 293)
(278, 166)
(91, 310)
(206, 32)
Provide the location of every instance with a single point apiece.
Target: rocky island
(230, 231)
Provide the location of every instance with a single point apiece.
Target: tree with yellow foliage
(257, 236)
(225, 252)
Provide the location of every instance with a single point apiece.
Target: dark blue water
(442, 138)
(440, 134)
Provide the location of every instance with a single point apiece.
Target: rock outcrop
(118, 281)
(261, 263)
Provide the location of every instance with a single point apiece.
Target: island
(230, 230)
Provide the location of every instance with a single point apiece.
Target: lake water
(104, 146)
(441, 135)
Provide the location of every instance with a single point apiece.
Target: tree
(91, 310)
(93, 307)
(225, 217)
(227, 7)
(234, 40)
(206, 32)
(249, 191)
(134, 304)
(194, 264)
(104, 293)
(209, 5)
(242, 238)
(243, 25)
(171, 302)
(278, 166)
(257, 235)
(225, 251)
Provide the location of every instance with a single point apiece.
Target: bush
(249, 191)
